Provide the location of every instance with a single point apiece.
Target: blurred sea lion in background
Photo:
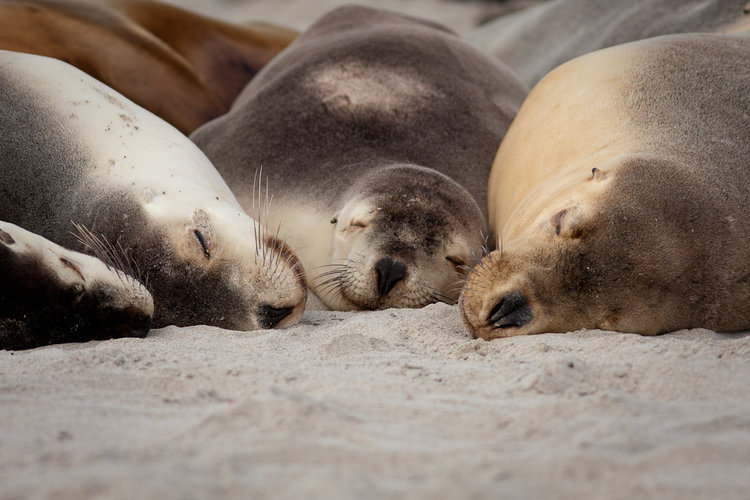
(182, 66)
(75, 150)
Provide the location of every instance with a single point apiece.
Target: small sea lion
(49, 295)
(533, 41)
(621, 196)
(377, 132)
(75, 150)
(184, 67)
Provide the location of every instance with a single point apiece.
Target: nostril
(513, 310)
(269, 317)
(390, 272)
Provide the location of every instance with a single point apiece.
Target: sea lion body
(49, 294)
(184, 67)
(621, 196)
(376, 132)
(535, 40)
(75, 150)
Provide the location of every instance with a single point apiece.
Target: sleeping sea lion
(49, 294)
(75, 150)
(621, 196)
(536, 40)
(377, 132)
(184, 67)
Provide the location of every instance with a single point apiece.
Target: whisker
(114, 257)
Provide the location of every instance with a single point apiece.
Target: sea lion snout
(390, 272)
(511, 311)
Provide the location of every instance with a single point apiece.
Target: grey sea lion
(533, 41)
(621, 194)
(75, 150)
(377, 133)
(49, 294)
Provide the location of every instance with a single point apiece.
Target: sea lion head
(217, 265)
(617, 252)
(401, 239)
(52, 294)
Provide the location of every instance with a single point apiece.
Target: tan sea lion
(621, 196)
(75, 150)
(49, 295)
(184, 67)
(536, 40)
(377, 132)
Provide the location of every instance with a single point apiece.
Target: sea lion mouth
(511, 311)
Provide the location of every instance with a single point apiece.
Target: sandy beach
(386, 404)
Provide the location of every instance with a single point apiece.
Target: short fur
(635, 215)
(360, 92)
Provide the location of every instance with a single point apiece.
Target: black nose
(390, 272)
(512, 310)
(269, 317)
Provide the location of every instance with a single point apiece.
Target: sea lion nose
(269, 317)
(390, 272)
(512, 310)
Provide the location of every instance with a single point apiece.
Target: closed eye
(202, 240)
(458, 263)
(356, 225)
(73, 266)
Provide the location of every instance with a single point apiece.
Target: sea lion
(49, 295)
(377, 132)
(536, 40)
(75, 150)
(621, 196)
(184, 67)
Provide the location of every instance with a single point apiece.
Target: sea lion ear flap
(598, 175)
(335, 218)
(6, 239)
(569, 223)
